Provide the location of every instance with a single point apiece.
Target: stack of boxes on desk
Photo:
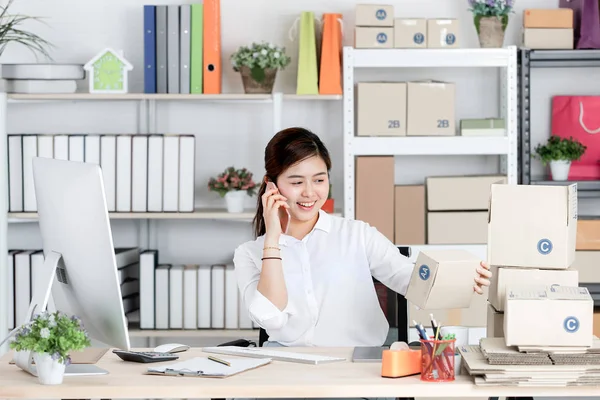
(376, 28)
(550, 28)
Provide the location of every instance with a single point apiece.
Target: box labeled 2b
(381, 109)
(430, 110)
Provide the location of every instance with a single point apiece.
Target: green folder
(308, 75)
(197, 38)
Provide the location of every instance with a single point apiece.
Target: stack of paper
(497, 353)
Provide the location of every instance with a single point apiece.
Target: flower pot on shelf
(328, 206)
(259, 82)
(490, 31)
(560, 170)
(50, 371)
(235, 201)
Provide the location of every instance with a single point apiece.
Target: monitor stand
(39, 303)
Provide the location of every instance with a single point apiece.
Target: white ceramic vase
(49, 371)
(235, 201)
(560, 170)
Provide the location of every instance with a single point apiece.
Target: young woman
(307, 277)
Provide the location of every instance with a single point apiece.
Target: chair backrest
(262, 337)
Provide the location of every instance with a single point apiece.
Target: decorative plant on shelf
(328, 206)
(559, 152)
(10, 31)
(491, 20)
(51, 337)
(258, 65)
(233, 184)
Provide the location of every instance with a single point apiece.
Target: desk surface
(278, 379)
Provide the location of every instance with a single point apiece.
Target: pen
(434, 326)
(215, 359)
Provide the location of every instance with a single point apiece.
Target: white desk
(278, 379)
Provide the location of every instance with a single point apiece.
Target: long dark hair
(285, 149)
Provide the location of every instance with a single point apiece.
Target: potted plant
(559, 153)
(258, 65)
(51, 337)
(10, 31)
(233, 184)
(491, 19)
(328, 206)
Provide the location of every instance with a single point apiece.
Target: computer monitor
(80, 268)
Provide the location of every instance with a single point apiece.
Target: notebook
(203, 367)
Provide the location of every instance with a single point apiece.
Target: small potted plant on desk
(51, 337)
(233, 184)
(328, 206)
(559, 153)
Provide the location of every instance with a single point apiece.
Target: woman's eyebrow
(300, 176)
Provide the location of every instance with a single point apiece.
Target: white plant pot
(235, 201)
(49, 371)
(560, 170)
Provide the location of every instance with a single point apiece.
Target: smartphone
(284, 214)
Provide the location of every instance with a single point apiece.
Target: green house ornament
(107, 72)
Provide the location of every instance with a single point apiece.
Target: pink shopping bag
(579, 117)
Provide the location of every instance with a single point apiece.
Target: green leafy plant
(559, 149)
(233, 179)
(491, 8)
(10, 31)
(258, 57)
(54, 333)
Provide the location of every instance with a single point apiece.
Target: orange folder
(330, 74)
(212, 47)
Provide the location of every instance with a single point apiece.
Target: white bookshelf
(353, 146)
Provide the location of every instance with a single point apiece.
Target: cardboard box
(475, 316)
(597, 324)
(495, 323)
(548, 316)
(375, 193)
(373, 38)
(506, 277)
(456, 227)
(409, 215)
(410, 33)
(587, 263)
(588, 234)
(548, 18)
(374, 15)
(443, 33)
(431, 109)
(483, 127)
(532, 226)
(456, 193)
(443, 279)
(543, 38)
(381, 109)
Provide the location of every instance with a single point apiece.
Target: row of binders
(176, 296)
(182, 48)
(24, 280)
(141, 173)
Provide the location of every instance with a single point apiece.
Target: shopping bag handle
(293, 31)
(585, 128)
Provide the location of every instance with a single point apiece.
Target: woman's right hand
(274, 203)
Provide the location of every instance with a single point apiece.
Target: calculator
(145, 356)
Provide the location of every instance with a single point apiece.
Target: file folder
(212, 47)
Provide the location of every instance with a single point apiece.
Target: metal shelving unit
(147, 117)
(503, 58)
(527, 60)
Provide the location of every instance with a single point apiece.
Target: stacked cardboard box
(548, 28)
(376, 27)
(531, 250)
(457, 208)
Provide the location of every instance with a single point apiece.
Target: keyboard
(145, 356)
(261, 352)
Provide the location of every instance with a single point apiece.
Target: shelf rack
(527, 60)
(146, 124)
(353, 146)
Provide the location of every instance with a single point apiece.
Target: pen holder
(437, 360)
(399, 363)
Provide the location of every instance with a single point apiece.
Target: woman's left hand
(483, 277)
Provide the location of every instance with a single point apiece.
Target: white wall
(237, 133)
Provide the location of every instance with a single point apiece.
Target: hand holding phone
(275, 207)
